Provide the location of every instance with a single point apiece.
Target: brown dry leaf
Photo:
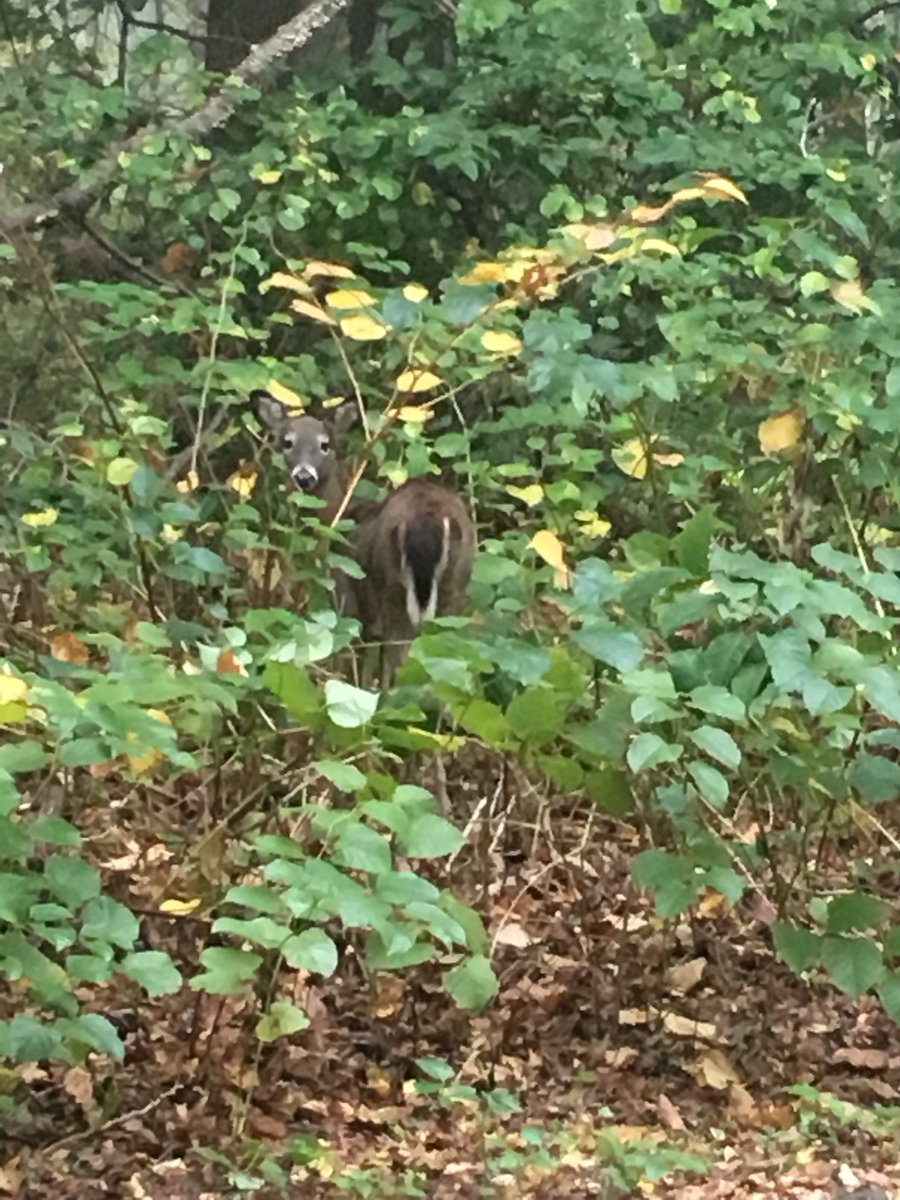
(684, 976)
(669, 1115)
(850, 295)
(513, 935)
(68, 648)
(389, 993)
(79, 1085)
(227, 664)
(635, 1016)
(378, 1081)
(711, 903)
(714, 1069)
(363, 329)
(11, 1177)
(178, 258)
(668, 460)
(681, 1026)
(743, 1106)
(306, 308)
(621, 1057)
(264, 1125)
(857, 1056)
(781, 432)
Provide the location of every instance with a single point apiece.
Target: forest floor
(618, 1048)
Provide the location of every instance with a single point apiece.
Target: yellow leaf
(13, 690)
(495, 341)
(281, 279)
(415, 414)
(647, 214)
(660, 246)
(268, 177)
(417, 381)
(415, 293)
(867, 62)
(171, 534)
(39, 520)
(121, 471)
(530, 495)
(328, 270)
(283, 395)
(363, 329)
(685, 194)
(243, 480)
(850, 295)
(594, 237)
(180, 907)
(486, 272)
(592, 524)
(717, 187)
(188, 484)
(781, 432)
(547, 546)
(668, 460)
(307, 308)
(349, 298)
(631, 458)
(837, 174)
(143, 764)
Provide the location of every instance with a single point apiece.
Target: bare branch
(76, 198)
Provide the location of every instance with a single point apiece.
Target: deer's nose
(305, 478)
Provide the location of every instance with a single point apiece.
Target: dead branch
(76, 198)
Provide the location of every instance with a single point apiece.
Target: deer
(416, 546)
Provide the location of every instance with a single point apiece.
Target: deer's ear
(268, 410)
(344, 418)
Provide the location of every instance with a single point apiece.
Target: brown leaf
(714, 1070)
(669, 1115)
(11, 1178)
(68, 648)
(80, 1086)
(857, 1056)
(781, 431)
(684, 976)
(688, 1027)
(227, 664)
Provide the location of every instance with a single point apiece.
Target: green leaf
(282, 1019)
(670, 7)
(120, 471)
(855, 911)
(672, 880)
(718, 745)
(106, 920)
(343, 775)
(813, 282)
(227, 970)
(349, 706)
(430, 836)
(22, 756)
(362, 849)
(648, 750)
(876, 778)
(718, 702)
(294, 689)
(485, 721)
(154, 971)
(607, 643)
(799, 948)
(854, 964)
(889, 994)
(712, 784)
(71, 880)
(312, 950)
(472, 983)
(535, 715)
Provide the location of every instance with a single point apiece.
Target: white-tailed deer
(416, 547)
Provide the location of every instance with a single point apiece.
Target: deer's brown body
(416, 547)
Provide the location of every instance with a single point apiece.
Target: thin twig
(85, 1134)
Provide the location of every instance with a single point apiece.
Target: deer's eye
(324, 445)
(287, 442)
